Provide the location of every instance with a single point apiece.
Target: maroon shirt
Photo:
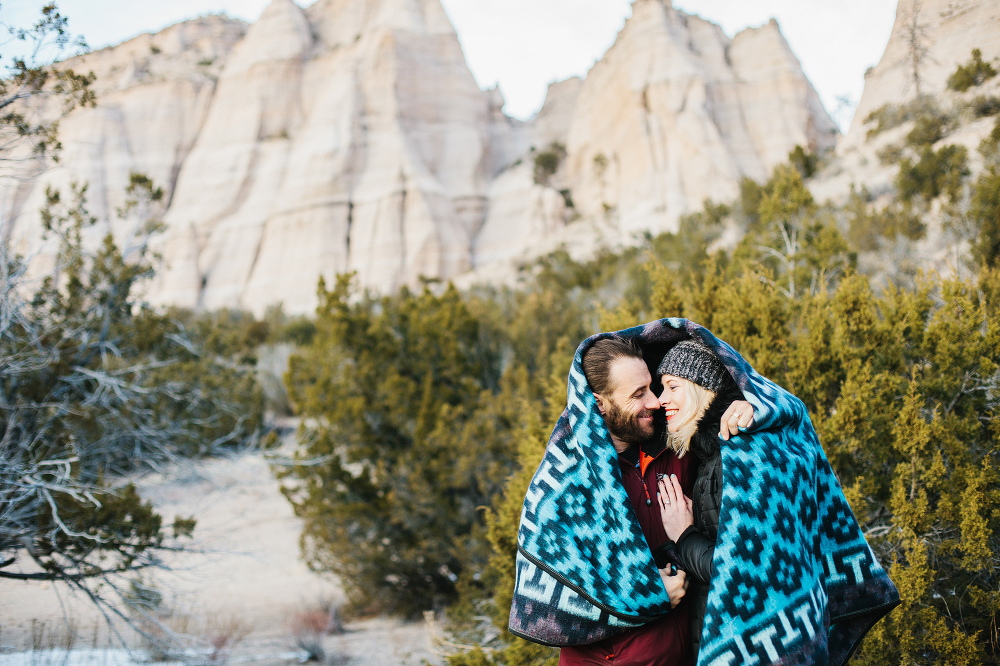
(666, 641)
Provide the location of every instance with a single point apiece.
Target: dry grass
(311, 627)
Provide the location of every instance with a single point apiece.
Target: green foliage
(94, 385)
(600, 165)
(31, 84)
(399, 390)
(990, 146)
(417, 405)
(983, 107)
(890, 154)
(750, 196)
(869, 226)
(933, 174)
(547, 162)
(975, 72)
(502, 524)
(908, 429)
(567, 198)
(984, 213)
(805, 162)
(923, 171)
(424, 407)
(888, 116)
(791, 240)
(784, 197)
(900, 387)
(928, 129)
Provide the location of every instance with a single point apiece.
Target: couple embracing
(685, 512)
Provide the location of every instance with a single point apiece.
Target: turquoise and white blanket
(794, 581)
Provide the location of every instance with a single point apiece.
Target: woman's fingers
(664, 491)
(684, 502)
(672, 488)
(734, 422)
(726, 425)
(738, 415)
(675, 508)
(661, 494)
(745, 412)
(675, 486)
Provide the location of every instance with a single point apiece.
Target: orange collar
(644, 461)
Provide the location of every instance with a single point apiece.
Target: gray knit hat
(695, 362)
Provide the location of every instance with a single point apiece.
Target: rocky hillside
(930, 39)
(351, 136)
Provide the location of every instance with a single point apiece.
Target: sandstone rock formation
(940, 35)
(947, 30)
(676, 113)
(929, 39)
(357, 151)
(351, 136)
(155, 92)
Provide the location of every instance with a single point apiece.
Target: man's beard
(627, 427)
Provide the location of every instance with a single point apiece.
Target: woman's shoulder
(706, 444)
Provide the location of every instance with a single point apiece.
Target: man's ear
(600, 403)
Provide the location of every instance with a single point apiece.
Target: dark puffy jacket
(696, 545)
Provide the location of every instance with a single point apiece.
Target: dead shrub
(309, 627)
(224, 636)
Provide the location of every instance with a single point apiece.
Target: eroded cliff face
(352, 137)
(929, 40)
(942, 33)
(155, 92)
(349, 139)
(676, 113)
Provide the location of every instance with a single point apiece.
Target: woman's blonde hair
(698, 401)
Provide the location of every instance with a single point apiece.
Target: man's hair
(597, 362)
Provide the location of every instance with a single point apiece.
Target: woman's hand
(675, 508)
(739, 415)
(676, 585)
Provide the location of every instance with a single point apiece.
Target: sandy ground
(251, 583)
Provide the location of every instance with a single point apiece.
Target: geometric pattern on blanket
(794, 581)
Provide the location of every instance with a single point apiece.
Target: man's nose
(652, 402)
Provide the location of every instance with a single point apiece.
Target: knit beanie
(695, 362)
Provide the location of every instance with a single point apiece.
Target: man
(621, 383)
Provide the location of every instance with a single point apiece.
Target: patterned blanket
(794, 581)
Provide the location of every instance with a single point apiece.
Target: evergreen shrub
(975, 72)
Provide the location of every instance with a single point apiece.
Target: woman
(697, 390)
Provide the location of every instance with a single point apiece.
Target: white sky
(525, 44)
